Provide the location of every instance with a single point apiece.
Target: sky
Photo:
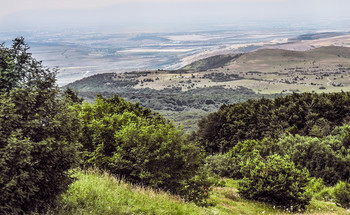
(163, 14)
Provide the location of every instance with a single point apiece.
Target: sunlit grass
(227, 201)
(100, 193)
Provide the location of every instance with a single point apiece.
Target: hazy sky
(51, 14)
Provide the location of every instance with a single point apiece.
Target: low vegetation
(100, 193)
(342, 194)
(275, 180)
(95, 192)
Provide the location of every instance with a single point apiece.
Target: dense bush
(38, 134)
(315, 185)
(143, 147)
(342, 194)
(318, 156)
(327, 158)
(224, 165)
(326, 194)
(275, 180)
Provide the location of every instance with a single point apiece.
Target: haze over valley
(80, 54)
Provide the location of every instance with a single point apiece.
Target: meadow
(96, 192)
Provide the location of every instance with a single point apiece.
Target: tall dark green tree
(38, 133)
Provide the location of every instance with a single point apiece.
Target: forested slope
(307, 114)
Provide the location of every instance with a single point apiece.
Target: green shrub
(224, 165)
(38, 135)
(317, 155)
(326, 194)
(143, 147)
(315, 186)
(342, 194)
(275, 180)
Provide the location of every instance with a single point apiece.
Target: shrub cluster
(342, 194)
(276, 180)
(143, 147)
(326, 159)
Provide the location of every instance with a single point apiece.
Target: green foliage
(342, 135)
(304, 114)
(143, 147)
(224, 165)
(19, 69)
(317, 155)
(315, 185)
(320, 156)
(72, 96)
(326, 194)
(342, 194)
(327, 158)
(38, 135)
(275, 180)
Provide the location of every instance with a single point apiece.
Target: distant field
(266, 71)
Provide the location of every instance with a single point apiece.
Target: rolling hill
(203, 86)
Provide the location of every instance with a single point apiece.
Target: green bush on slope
(275, 180)
(341, 194)
(326, 158)
(143, 147)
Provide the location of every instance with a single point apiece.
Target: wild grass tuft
(100, 193)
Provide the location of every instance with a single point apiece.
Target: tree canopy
(304, 114)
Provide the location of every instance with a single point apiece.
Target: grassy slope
(96, 193)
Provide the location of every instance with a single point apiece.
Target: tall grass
(96, 192)
(100, 193)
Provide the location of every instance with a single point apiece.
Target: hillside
(203, 86)
(94, 193)
(273, 156)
